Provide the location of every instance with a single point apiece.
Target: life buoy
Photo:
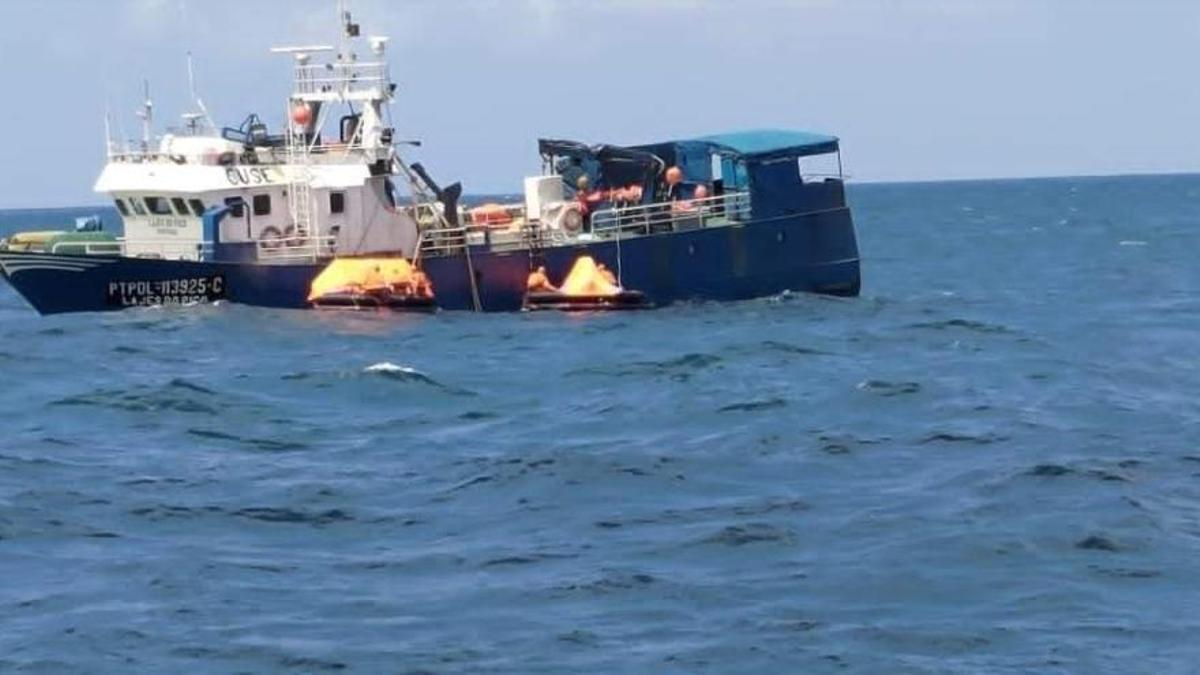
(570, 219)
(270, 237)
(290, 238)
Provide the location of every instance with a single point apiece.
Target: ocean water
(987, 463)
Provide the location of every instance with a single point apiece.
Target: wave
(390, 369)
(961, 437)
(177, 395)
(844, 443)
(478, 415)
(611, 581)
(965, 324)
(887, 389)
(1097, 542)
(786, 348)
(267, 514)
(750, 533)
(709, 513)
(679, 369)
(527, 559)
(384, 370)
(1061, 471)
(265, 444)
(754, 406)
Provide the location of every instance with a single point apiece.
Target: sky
(916, 89)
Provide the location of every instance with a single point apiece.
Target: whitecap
(1131, 242)
(389, 367)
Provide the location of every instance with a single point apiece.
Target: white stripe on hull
(19, 262)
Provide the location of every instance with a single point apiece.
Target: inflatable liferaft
(372, 283)
(351, 298)
(589, 287)
(563, 302)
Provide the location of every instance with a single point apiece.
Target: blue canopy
(771, 143)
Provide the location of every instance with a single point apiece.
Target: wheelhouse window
(180, 207)
(121, 206)
(197, 207)
(137, 206)
(158, 206)
(337, 202)
(817, 168)
(262, 205)
(235, 205)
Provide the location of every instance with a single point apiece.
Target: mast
(195, 96)
(108, 142)
(147, 116)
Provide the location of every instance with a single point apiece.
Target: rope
(419, 191)
(471, 273)
(620, 282)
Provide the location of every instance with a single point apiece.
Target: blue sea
(990, 462)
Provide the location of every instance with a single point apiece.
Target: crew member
(674, 182)
(629, 195)
(422, 286)
(691, 205)
(538, 281)
(606, 274)
(585, 195)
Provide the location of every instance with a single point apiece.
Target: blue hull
(814, 252)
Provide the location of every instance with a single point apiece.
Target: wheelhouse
(782, 172)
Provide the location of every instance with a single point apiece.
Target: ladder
(534, 240)
(299, 184)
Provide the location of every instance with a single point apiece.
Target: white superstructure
(316, 186)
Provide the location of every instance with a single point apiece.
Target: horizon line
(850, 182)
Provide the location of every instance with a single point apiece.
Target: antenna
(192, 89)
(349, 30)
(147, 116)
(122, 137)
(108, 144)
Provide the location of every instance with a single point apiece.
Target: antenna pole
(342, 21)
(195, 96)
(147, 115)
(108, 144)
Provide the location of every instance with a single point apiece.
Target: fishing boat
(250, 215)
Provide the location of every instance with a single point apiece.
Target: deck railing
(275, 250)
(672, 216)
(297, 249)
(443, 240)
(339, 78)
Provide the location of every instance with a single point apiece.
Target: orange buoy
(302, 114)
